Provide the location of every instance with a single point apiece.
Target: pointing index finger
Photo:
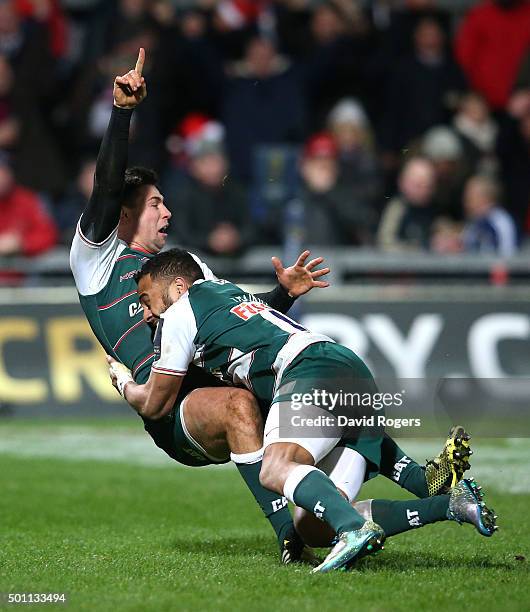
(140, 61)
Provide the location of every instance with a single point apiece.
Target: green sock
(399, 516)
(403, 470)
(274, 506)
(316, 493)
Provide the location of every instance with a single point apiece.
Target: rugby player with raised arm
(222, 328)
(125, 223)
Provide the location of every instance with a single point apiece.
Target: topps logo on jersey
(246, 310)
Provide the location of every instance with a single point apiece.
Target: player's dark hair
(169, 265)
(136, 180)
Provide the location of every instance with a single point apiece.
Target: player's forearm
(148, 400)
(135, 395)
(278, 298)
(102, 212)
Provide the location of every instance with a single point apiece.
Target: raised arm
(294, 281)
(102, 213)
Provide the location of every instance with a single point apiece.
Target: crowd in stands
(402, 125)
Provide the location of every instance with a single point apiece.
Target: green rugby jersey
(104, 275)
(232, 334)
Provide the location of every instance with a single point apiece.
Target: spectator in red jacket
(49, 13)
(25, 227)
(491, 44)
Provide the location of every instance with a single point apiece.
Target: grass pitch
(96, 512)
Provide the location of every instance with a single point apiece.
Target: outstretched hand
(300, 277)
(130, 89)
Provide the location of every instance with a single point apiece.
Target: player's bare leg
(289, 468)
(223, 420)
(226, 422)
(346, 468)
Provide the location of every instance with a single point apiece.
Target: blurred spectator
(446, 237)
(490, 45)
(212, 209)
(444, 149)
(130, 24)
(38, 162)
(330, 215)
(329, 41)
(513, 149)
(68, 210)
(25, 227)
(350, 128)
(421, 89)
(264, 103)
(478, 132)
(239, 14)
(408, 218)
(489, 228)
(49, 13)
(9, 124)
(233, 22)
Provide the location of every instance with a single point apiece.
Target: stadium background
(392, 137)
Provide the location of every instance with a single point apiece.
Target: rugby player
(124, 223)
(217, 325)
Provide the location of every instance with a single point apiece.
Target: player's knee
(275, 466)
(266, 476)
(270, 475)
(244, 410)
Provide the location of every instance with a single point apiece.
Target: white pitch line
(503, 467)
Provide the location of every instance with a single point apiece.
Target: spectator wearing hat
(330, 215)
(25, 226)
(408, 218)
(350, 128)
(442, 146)
(211, 207)
(489, 228)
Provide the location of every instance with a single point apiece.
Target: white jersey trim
(292, 348)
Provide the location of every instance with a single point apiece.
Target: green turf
(114, 536)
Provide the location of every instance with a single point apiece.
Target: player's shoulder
(179, 316)
(93, 263)
(207, 273)
(215, 285)
(207, 297)
(213, 291)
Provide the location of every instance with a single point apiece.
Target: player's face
(154, 221)
(157, 296)
(152, 298)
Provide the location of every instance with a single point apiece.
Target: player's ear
(179, 285)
